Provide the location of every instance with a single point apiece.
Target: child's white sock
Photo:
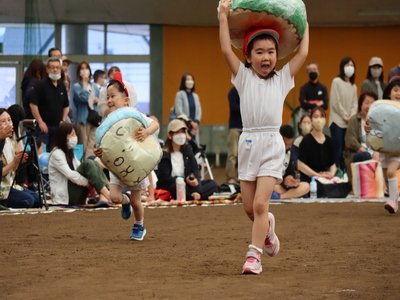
(393, 189)
(125, 199)
(255, 249)
(141, 222)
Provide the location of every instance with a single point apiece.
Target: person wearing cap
(118, 97)
(178, 160)
(374, 82)
(262, 90)
(67, 79)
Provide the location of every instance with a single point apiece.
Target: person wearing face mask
(178, 160)
(356, 133)
(343, 105)
(291, 187)
(86, 96)
(49, 102)
(374, 82)
(304, 129)
(12, 156)
(316, 157)
(70, 180)
(313, 93)
(187, 102)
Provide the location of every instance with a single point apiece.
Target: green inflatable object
(288, 18)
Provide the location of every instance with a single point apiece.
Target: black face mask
(313, 75)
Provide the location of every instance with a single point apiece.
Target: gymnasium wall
(196, 50)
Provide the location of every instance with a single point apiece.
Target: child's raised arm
(224, 37)
(300, 57)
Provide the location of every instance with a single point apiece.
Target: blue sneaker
(275, 196)
(126, 211)
(138, 232)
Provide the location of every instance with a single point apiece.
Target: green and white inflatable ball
(288, 18)
(131, 161)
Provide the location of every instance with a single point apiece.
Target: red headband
(256, 32)
(118, 77)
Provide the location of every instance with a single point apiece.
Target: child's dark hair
(97, 74)
(362, 97)
(250, 46)
(286, 131)
(118, 85)
(393, 82)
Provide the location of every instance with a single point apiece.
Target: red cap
(256, 32)
(118, 77)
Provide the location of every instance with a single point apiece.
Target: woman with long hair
(70, 180)
(35, 72)
(343, 105)
(85, 97)
(11, 158)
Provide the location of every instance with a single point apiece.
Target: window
(8, 95)
(128, 39)
(20, 39)
(139, 75)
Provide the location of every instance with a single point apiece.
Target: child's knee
(259, 208)
(115, 198)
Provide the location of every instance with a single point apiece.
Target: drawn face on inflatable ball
(131, 161)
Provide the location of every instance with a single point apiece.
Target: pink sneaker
(392, 206)
(271, 243)
(252, 264)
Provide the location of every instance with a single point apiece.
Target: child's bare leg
(105, 194)
(248, 190)
(264, 188)
(136, 202)
(116, 193)
(392, 179)
(150, 188)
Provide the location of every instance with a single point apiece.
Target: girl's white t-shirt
(261, 100)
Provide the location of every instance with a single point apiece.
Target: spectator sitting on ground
(356, 134)
(11, 158)
(304, 129)
(178, 161)
(290, 187)
(70, 179)
(316, 156)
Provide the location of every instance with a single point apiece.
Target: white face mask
(55, 77)
(84, 73)
(189, 84)
(376, 73)
(179, 138)
(72, 142)
(349, 71)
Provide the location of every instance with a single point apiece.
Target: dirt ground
(328, 251)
